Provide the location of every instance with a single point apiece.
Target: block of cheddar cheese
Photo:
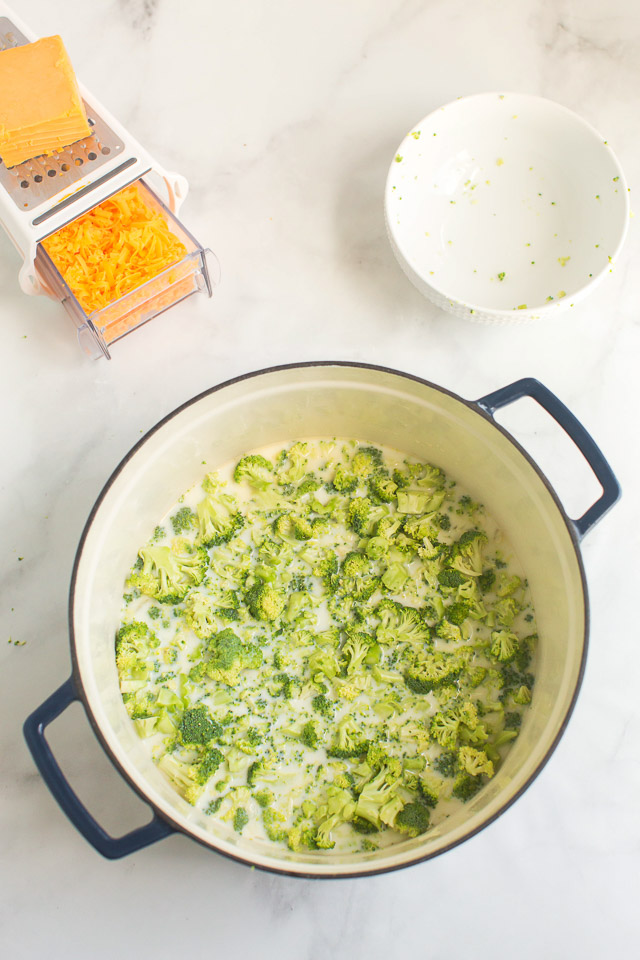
(41, 109)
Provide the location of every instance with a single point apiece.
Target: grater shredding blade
(36, 181)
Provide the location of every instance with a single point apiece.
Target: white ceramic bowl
(503, 207)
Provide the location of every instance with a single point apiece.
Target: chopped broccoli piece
(310, 736)
(467, 553)
(167, 573)
(358, 514)
(133, 642)
(450, 578)
(466, 786)
(256, 470)
(240, 819)
(183, 520)
(197, 726)
(322, 705)
(413, 819)
(434, 671)
(504, 645)
(382, 488)
(367, 461)
(349, 742)
(265, 602)
(218, 520)
(344, 481)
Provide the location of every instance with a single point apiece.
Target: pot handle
(34, 733)
(529, 387)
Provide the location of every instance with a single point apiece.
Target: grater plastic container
(98, 330)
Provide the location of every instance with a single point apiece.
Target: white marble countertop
(284, 118)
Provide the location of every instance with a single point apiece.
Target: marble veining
(284, 117)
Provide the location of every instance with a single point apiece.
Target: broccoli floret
(429, 789)
(444, 729)
(240, 819)
(413, 819)
(310, 736)
(360, 825)
(466, 786)
(272, 821)
(449, 632)
(379, 801)
(218, 520)
(349, 742)
(308, 485)
(475, 762)
(486, 580)
(418, 528)
(322, 705)
(284, 685)
(444, 521)
(301, 528)
(522, 696)
(355, 565)
(297, 455)
(400, 624)
(504, 645)
(344, 481)
(323, 661)
(263, 797)
(387, 527)
(457, 612)
(183, 520)
(446, 764)
(256, 470)
(434, 671)
(358, 514)
(367, 461)
(133, 642)
(356, 647)
(197, 726)
(167, 573)
(265, 602)
(450, 578)
(209, 765)
(512, 720)
(227, 657)
(467, 553)
(200, 614)
(327, 568)
(382, 488)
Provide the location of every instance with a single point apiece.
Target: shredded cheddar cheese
(113, 249)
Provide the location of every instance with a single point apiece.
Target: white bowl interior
(505, 202)
(327, 401)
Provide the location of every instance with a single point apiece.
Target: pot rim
(180, 827)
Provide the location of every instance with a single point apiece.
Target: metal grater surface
(35, 181)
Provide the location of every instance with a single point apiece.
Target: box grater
(40, 196)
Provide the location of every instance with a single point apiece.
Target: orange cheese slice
(40, 105)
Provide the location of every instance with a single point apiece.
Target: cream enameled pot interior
(324, 401)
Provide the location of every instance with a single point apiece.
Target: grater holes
(24, 184)
(65, 167)
(78, 161)
(38, 178)
(92, 155)
(91, 121)
(105, 151)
